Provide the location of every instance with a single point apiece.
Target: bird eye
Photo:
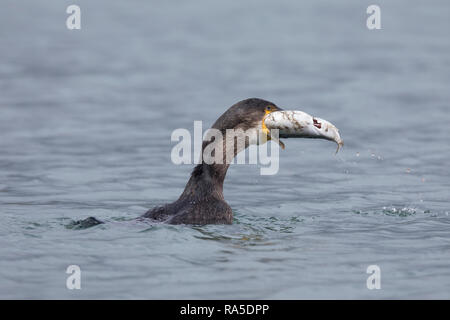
(269, 108)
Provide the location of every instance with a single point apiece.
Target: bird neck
(206, 181)
(208, 177)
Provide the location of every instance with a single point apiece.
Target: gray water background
(85, 124)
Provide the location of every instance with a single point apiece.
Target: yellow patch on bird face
(266, 131)
(263, 126)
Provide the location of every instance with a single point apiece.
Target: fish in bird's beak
(299, 124)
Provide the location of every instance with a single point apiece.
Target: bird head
(275, 123)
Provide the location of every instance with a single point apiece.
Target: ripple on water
(397, 211)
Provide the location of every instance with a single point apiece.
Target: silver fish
(299, 124)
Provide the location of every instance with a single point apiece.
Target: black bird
(202, 200)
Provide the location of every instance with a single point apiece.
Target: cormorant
(202, 201)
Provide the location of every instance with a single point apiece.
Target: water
(85, 123)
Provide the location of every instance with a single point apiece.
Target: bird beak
(299, 124)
